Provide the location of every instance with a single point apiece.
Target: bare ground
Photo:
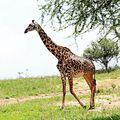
(102, 101)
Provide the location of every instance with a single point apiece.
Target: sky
(25, 53)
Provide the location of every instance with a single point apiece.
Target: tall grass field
(48, 107)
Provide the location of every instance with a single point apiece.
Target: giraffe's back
(77, 66)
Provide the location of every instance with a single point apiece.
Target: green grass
(111, 75)
(108, 91)
(35, 86)
(29, 86)
(46, 109)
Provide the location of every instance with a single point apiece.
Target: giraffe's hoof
(84, 106)
(62, 107)
(91, 108)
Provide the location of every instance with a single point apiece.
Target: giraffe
(69, 65)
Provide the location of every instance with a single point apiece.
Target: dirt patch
(108, 101)
(102, 101)
(108, 83)
(27, 98)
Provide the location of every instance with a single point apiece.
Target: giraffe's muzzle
(25, 31)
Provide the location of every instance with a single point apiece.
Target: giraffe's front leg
(63, 78)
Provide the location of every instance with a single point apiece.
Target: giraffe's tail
(94, 82)
(95, 85)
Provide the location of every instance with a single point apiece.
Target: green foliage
(102, 51)
(83, 15)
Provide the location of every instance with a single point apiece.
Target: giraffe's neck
(50, 45)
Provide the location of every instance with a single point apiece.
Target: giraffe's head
(32, 26)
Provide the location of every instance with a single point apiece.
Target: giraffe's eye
(31, 26)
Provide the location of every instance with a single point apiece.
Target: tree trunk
(106, 66)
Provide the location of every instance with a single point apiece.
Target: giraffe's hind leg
(92, 84)
(72, 91)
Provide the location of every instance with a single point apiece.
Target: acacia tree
(102, 51)
(83, 15)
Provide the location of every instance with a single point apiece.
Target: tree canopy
(83, 15)
(102, 51)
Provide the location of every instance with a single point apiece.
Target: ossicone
(33, 21)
